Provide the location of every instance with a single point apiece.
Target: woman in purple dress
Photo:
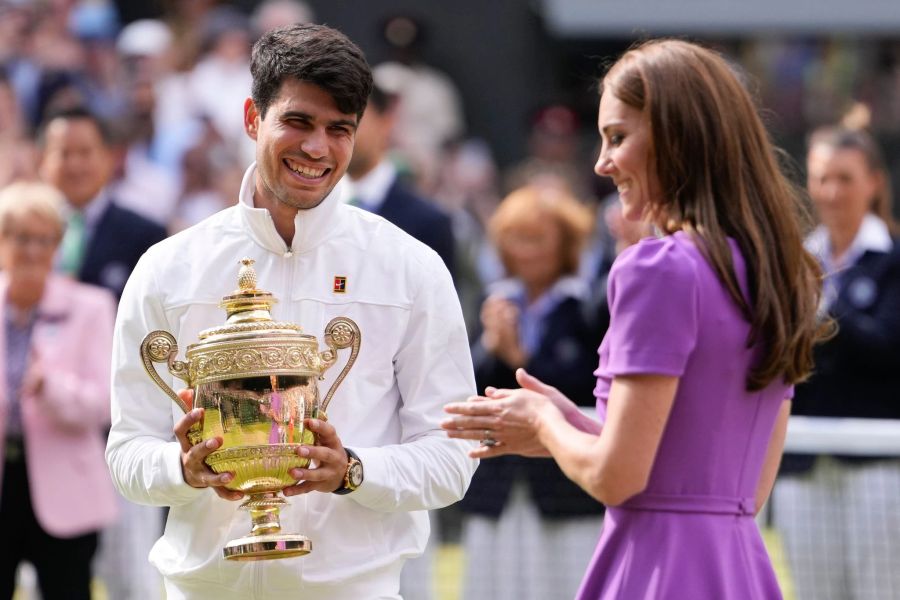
(711, 325)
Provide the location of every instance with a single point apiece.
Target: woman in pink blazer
(55, 345)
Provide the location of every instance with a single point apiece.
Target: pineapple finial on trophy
(247, 303)
(247, 275)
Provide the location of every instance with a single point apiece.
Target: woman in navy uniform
(839, 515)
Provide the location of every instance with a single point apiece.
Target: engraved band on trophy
(256, 380)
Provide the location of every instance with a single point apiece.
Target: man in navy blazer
(103, 241)
(377, 188)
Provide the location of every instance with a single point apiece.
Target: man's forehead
(310, 98)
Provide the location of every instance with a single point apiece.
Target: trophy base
(268, 546)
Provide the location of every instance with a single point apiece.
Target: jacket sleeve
(871, 334)
(78, 397)
(445, 243)
(143, 457)
(432, 367)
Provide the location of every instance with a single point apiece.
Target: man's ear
(251, 118)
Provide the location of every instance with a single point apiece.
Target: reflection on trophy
(256, 380)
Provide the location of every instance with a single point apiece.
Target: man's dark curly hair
(316, 54)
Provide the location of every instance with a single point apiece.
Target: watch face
(355, 474)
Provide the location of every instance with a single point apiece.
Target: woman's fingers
(476, 405)
(478, 423)
(473, 434)
(530, 382)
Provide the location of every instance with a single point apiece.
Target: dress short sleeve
(653, 300)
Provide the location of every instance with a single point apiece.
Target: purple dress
(691, 533)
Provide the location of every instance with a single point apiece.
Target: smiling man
(321, 258)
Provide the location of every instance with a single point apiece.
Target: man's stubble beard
(282, 197)
(287, 200)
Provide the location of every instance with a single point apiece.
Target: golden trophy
(256, 380)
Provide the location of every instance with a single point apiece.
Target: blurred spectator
(220, 82)
(430, 109)
(144, 46)
(185, 19)
(102, 244)
(274, 14)
(376, 188)
(56, 491)
(838, 515)
(159, 125)
(529, 531)
(624, 233)
(17, 153)
(468, 189)
(144, 182)
(809, 81)
(47, 61)
(554, 154)
(70, 60)
(95, 24)
(146, 55)
(612, 234)
(211, 178)
(15, 20)
(16, 25)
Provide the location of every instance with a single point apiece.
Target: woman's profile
(711, 324)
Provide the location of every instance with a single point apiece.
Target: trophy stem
(265, 540)
(264, 512)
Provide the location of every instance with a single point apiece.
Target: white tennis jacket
(414, 358)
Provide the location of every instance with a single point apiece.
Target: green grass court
(450, 562)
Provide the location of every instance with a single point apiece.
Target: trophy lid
(248, 309)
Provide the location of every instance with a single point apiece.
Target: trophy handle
(160, 346)
(340, 333)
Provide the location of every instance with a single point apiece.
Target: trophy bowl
(256, 380)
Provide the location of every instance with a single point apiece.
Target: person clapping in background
(528, 530)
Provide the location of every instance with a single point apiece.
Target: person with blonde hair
(55, 346)
(711, 324)
(528, 530)
(838, 515)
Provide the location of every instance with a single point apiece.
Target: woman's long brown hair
(720, 177)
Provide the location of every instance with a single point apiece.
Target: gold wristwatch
(353, 477)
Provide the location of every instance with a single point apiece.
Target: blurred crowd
(138, 128)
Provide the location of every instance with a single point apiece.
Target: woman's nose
(603, 166)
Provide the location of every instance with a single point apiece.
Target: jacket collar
(311, 226)
(371, 190)
(873, 236)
